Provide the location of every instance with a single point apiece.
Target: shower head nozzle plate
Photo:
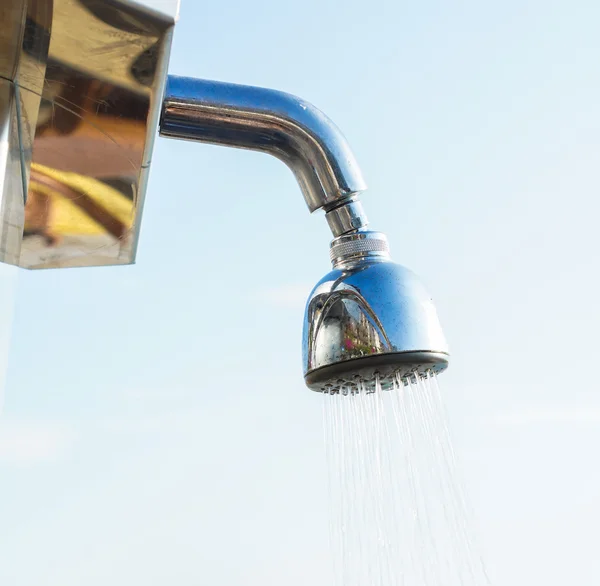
(363, 374)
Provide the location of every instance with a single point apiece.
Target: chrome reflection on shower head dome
(369, 319)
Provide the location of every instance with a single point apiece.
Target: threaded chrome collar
(358, 245)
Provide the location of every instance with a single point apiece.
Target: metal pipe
(273, 122)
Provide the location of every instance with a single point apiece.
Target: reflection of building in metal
(348, 328)
(80, 111)
(364, 335)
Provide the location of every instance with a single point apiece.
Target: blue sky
(155, 425)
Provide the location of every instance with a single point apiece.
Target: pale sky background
(156, 429)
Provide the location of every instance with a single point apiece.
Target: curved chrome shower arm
(273, 122)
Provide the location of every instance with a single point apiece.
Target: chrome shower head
(369, 320)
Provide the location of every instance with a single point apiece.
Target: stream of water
(399, 515)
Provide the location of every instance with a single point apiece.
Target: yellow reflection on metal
(75, 204)
(79, 103)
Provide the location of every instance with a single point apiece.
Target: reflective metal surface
(81, 85)
(369, 317)
(347, 218)
(269, 121)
